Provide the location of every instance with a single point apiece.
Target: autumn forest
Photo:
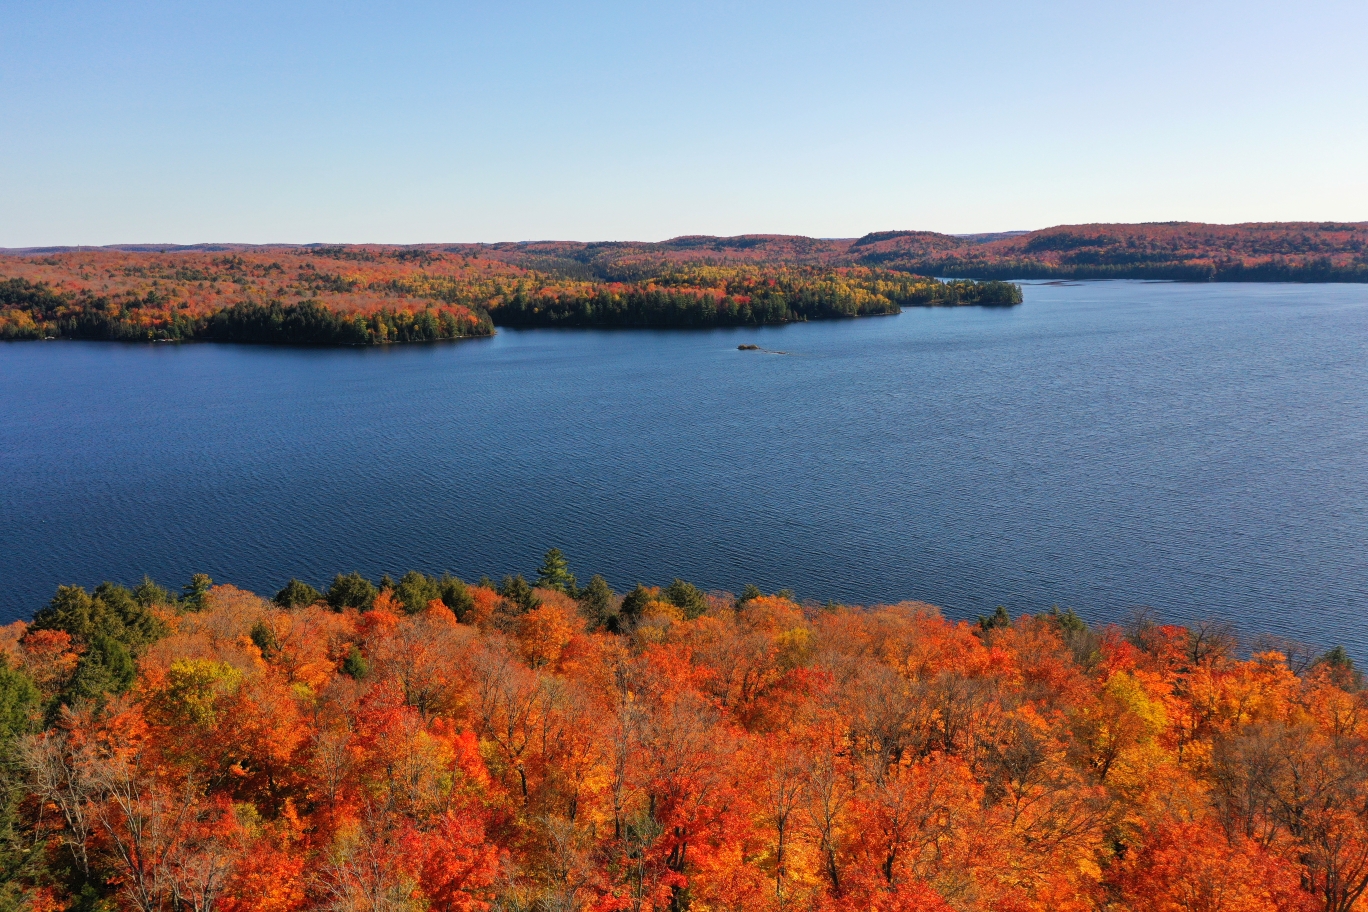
(376, 295)
(425, 743)
(371, 294)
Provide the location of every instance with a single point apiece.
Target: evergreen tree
(415, 590)
(633, 603)
(355, 664)
(148, 593)
(297, 594)
(1070, 624)
(998, 620)
(519, 593)
(111, 612)
(1085, 645)
(750, 592)
(105, 668)
(1340, 665)
(140, 626)
(687, 598)
(351, 590)
(455, 596)
(18, 706)
(19, 700)
(555, 573)
(264, 638)
(193, 593)
(73, 610)
(596, 602)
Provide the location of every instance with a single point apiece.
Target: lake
(1200, 449)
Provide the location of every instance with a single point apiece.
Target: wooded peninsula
(367, 294)
(425, 743)
(372, 294)
(375, 295)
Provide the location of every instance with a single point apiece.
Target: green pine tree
(455, 596)
(555, 573)
(633, 604)
(519, 593)
(193, 593)
(355, 664)
(297, 595)
(596, 603)
(998, 620)
(415, 590)
(749, 593)
(687, 598)
(351, 590)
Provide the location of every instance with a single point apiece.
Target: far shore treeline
(373, 294)
(365, 296)
(427, 743)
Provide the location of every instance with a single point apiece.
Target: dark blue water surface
(1202, 449)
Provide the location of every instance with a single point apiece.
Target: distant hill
(1182, 251)
(376, 293)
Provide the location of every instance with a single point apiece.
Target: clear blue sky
(408, 122)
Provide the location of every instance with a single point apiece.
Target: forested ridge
(375, 295)
(1175, 250)
(1179, 251)
(425, 743)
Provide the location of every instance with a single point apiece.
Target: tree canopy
(428, 744)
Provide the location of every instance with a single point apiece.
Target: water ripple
(1200, 449)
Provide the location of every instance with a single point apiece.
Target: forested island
(377, 295)
(426, 743)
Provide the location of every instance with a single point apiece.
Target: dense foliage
(1178, 251)
(284, 298)
(742, 295)
(365, 295)
(428, 744)
(1181, 251)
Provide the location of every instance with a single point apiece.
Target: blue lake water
(1201, 449)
